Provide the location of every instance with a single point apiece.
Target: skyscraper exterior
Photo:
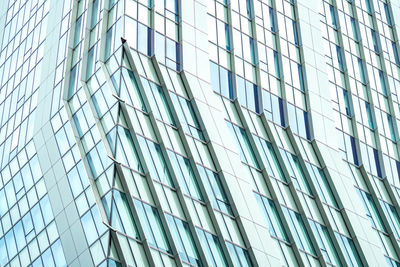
(199, 133)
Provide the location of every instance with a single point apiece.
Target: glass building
(199, 133)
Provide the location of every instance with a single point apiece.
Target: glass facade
(199, 133)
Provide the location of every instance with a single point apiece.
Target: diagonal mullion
(184, 140)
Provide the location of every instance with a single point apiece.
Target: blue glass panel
(90, 62)
(226, 83)
(94, 162)
(333, 16)
(177, 59)
(322, 184)
(383, 83)
(244, 146)
(346, 102)
(299, 231)
(95, 12)
(362, 71)
(233, 254)
(37, 218)
(295, 33)
(252, 53)
(156, 158)
(249, 9)
(387, 14)
(77, 33)
(393, 217)
(144, 39)
(109, 38)
(191, 117)
(277, 110)
(152, 226)
(349, 250)
(58, 254)
(252, 96)
(28, 224)
(184, 240)
(37, 262)
(371, 210)
(227, 38)
(274, 222)
(133, 89)
(119, 213)
(112, 263)
(281, 114)
(354, 150)
(19, 235)
(354, 28)
(162, 104)
(89, 227)
(171, 5)
(340, 58)
(46, 210)
(377, 163)
(275, 165)
(272, 19)
(374, 41)
(395, 53)
(185, 175)
(72, 81)
(398, 169)
(3, 253)
(215, 190)
(306, 125)
(301, 77)
(158, 102)
(100, 226)
(369, 6)
(300, 173)
(149, 42)
(3, 203)
(176, 237)
(240, 256)
(277, 65)
(28, 179)
(369, 115)
(47, 258)
(10, 243)
(212, 248)
(75, 182)
(324, 242)
(256, 99)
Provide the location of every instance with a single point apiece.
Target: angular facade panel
(199, 133)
